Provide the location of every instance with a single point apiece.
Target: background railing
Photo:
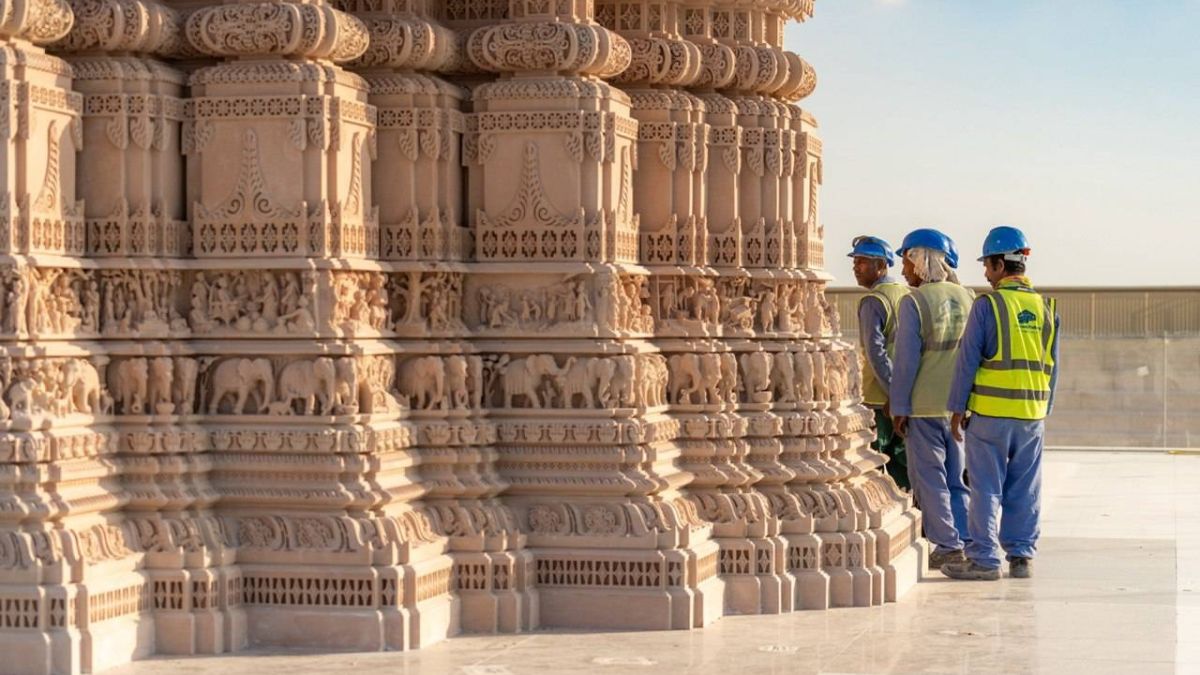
(1130, 365)
(1093, 312)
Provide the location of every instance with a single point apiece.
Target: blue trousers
(935, 471)
(1004, 463)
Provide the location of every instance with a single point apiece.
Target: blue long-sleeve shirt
(909, 348)
(980, 341)
(872, 318)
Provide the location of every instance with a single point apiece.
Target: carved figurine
(523, 377)
(423, 382)
(456, 381)
(756, 376)
(82, 384)
(310, 381)
(783, 377)
(346, 394)
(129, 380)
(242, 377)
(820, 388)
(159, 391)
(729, 378)
(186, 371)
(804, 376)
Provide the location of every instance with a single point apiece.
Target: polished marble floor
(1116, 590)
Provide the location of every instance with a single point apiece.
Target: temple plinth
(359, 324)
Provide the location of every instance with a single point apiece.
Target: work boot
(1020, 568)
(937, 559)
(970, 570)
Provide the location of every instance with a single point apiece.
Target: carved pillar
(130, 174)
(419, 186)
(301, 392)
(557, 301)
(66, 567)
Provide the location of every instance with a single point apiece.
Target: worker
(932, 320)
(876, 338)
(1005, 377)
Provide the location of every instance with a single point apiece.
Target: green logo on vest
(1027, 319)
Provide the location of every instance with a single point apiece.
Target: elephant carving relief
(423, 382)
(158, 396)
(312, 382)
(184, 385)
(695, 379)
(457, 386)
(756, 376)
(685, 378)
(624, 390)
(803, 362)
(783, 377)
(588, 378)
(820, 385)
(241, 378)
(82, 386)
(524, 377)
(346, 389)
(129, 381)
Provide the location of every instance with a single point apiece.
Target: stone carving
(430, 301)
(141, 301)
(251, 301)
(310, 382)
(783, 377)
(756, 376)
(283, 29)
(49, 301)
(535, 378)
(52, 386)
(384, 303)
(241, 378)
(564, 303)
(361, 301)
(423, 382)
(688, 299)
(129, 382)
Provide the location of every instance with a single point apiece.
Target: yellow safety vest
(1015, 382)
(890, 294)
(943, 308)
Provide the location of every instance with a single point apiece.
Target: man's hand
(900, 425)
(958, 422)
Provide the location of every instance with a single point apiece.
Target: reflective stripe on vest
(942, 308)
(1015, 383)
(889, 294)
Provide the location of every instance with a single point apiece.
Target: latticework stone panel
(359, 324)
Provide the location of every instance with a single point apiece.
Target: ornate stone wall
(361, 323)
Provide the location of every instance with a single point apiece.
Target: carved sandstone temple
(363, 323)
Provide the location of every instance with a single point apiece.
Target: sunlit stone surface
(362, 324)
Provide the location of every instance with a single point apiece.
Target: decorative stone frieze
(358, 324)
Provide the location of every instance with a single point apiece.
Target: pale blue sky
(1076, 120)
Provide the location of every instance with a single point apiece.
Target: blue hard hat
(872, 247)
(1003, 240)
(927, 237)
